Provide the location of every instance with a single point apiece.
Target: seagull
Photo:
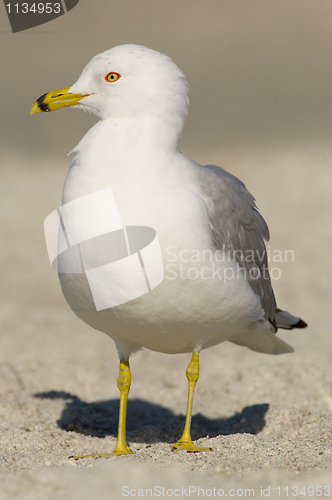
(199, 221)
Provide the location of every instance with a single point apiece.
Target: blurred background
(259, 71)
(260, 76)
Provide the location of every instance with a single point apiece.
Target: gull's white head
(133, 81)
(128, 82)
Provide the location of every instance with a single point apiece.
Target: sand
(268, 419)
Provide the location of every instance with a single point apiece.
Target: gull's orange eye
(112, 77)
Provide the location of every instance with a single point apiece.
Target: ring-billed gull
(215, 285)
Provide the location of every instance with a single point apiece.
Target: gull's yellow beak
(55, 100)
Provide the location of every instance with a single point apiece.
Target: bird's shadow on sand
(147, 422)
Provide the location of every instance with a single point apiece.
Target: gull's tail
(263, 340)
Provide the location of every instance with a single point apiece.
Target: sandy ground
(268, 419)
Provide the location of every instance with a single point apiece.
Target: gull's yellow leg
(122, 447)
(124, 382)
(185, 442)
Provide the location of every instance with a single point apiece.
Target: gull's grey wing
(238, 228)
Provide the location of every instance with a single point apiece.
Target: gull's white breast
(188, 309)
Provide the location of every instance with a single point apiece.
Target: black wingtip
(300, 324)
(287, 321)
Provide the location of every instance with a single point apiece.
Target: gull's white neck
(116, 153)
